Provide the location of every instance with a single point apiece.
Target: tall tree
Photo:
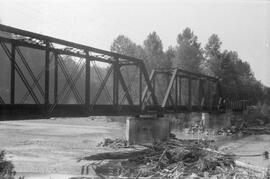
(212, 62)
(189, 54)
(169, 56)
(237, 78)
(125, 46)
(228, 73)
(154, 51)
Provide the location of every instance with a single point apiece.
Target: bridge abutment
(147, 129)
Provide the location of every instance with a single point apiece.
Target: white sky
(242, 25)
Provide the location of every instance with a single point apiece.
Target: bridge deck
(72, 110)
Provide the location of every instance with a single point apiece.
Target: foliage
(169, 57)
(189, 54)
(259, 114)
(6, 167)
(125, 46)
(212, 61)
(154, 51)
(236, 76)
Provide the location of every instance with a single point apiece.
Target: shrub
(258, 113)
(6, 167)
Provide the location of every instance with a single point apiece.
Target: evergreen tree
(153, 49)
(213, 57)
(189, 54)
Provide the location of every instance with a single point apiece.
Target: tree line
(235, 75)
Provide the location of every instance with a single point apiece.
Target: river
(50, 148)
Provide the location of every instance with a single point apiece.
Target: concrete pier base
(145, 130)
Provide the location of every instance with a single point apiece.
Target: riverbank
(48, 147)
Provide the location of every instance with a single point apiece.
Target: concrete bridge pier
(147, 129)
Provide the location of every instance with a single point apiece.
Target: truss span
(47, 76)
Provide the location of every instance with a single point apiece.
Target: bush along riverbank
(6, 167)
(254, 121)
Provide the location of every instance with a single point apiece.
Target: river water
(51, 148)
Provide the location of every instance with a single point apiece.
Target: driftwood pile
(172, 159)
(113, 143)
(256, 130)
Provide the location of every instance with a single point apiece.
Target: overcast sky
(242, 25)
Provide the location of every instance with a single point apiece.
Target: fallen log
(119, 155)
(250, 167)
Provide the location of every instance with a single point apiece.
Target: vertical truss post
(87, 81)
(180, 91)
(47, 77)
(201, 93)
(140, 87)
(218, 95)
(217, 99)
(206, 97)
(154, 82)
(176, 91)
(115, 82)
(209, 95)
(189, 94)
(219, 89)
(12, 75)
(56, 78)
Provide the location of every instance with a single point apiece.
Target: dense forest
(235, 74)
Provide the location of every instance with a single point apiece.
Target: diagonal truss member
(17, 68)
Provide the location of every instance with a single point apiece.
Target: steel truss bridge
(98, 83)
